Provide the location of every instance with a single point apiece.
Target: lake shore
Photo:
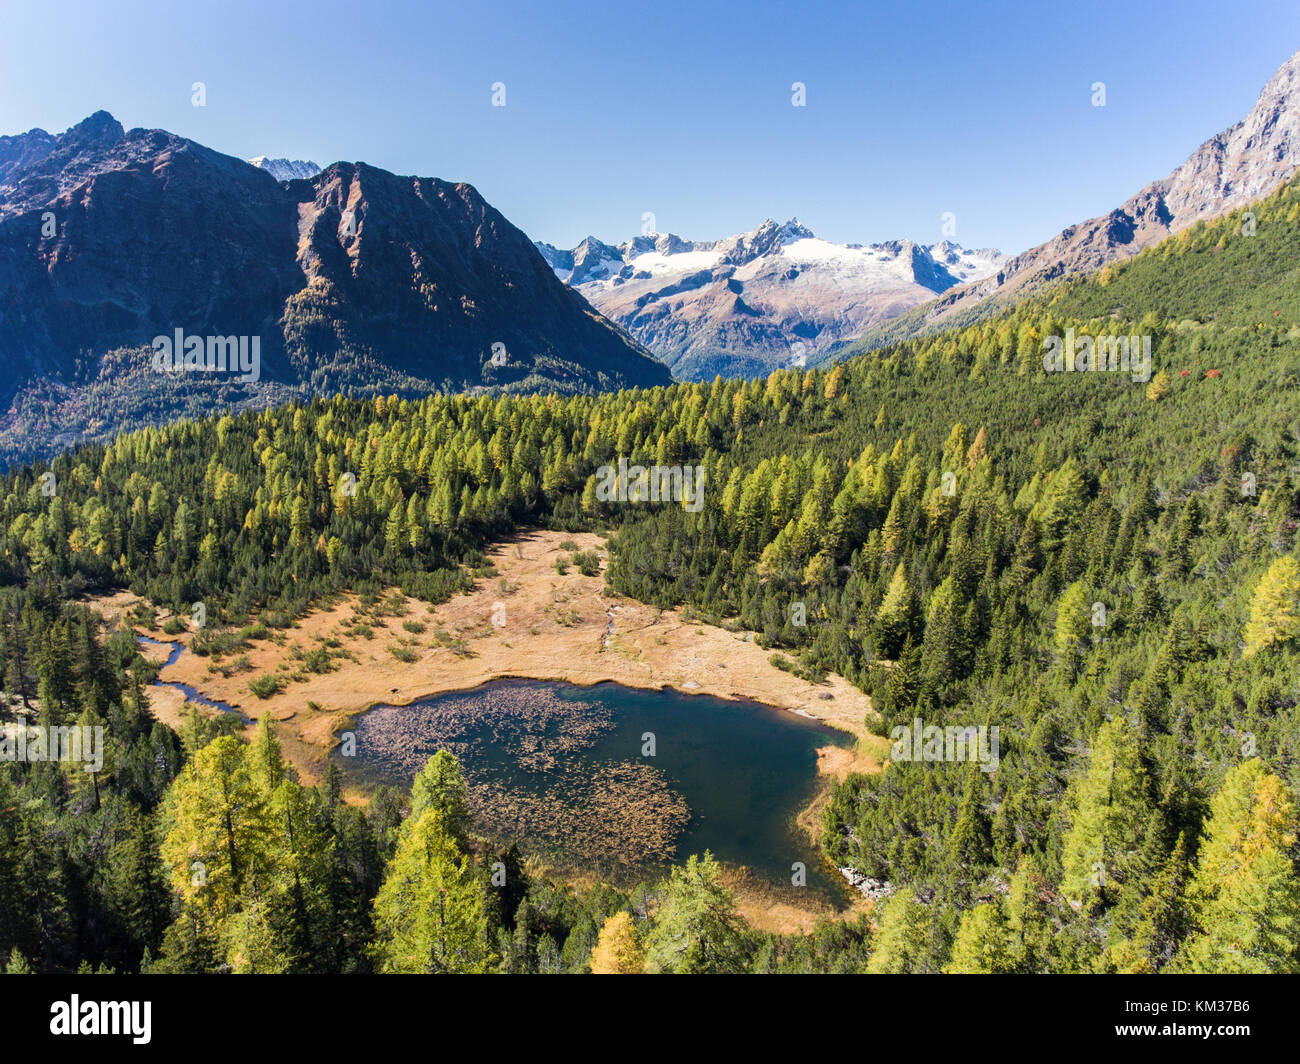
(569, 628)
(548, 626)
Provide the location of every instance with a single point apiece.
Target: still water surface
(562, 770)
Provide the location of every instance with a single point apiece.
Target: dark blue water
(191, 694)
(741, 771)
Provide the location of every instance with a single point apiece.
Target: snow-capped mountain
(286, 169)
(749, 303)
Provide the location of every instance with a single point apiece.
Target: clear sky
(681, 107)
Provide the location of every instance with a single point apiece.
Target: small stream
(191, 694)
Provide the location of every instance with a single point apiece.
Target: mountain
(355, 280)
(285, 169)
(752, 302)
(1231, 169)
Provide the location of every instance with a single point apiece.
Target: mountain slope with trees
(355, 280)
(1243, 163)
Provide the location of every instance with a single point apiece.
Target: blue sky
(681, 108)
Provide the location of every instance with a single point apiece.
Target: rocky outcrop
(875, 889)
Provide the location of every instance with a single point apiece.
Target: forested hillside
(1104, 568)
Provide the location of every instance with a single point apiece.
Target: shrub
(266, 686)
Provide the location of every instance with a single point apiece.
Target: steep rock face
(426, 272)
(354, 279)
(1231, 169)
(23, 150)
(751, 302)
(35, 166)
(1244, 162)
(113, 238)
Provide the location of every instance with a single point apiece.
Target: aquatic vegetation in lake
(518, 746)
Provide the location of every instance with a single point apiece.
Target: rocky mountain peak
(791, 231)
(100, 129)
(768, 238)
(738, 304)
(1237, 166)
(286, 169)
(1285, 82)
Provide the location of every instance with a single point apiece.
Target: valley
(440, 600)
(569, 629)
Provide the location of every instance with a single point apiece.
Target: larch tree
(221, 834)
(1274, 617)
(1245, 890)
(697, 928)
(903, 939)
(983, 944)
(894, 618)
(1072, 617)
(430, 914)
(440, 786)
(1110, 807)
(617, 951)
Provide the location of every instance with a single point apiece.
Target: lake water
(566, 772)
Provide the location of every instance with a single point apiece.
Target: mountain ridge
(286, 169)
(1230, 169)
(354, 279)
(751, 302)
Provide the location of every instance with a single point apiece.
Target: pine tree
(265, 756)
(946, 645)
(970, 842)
(891, 535)
(1162, 923)
(136, 889)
